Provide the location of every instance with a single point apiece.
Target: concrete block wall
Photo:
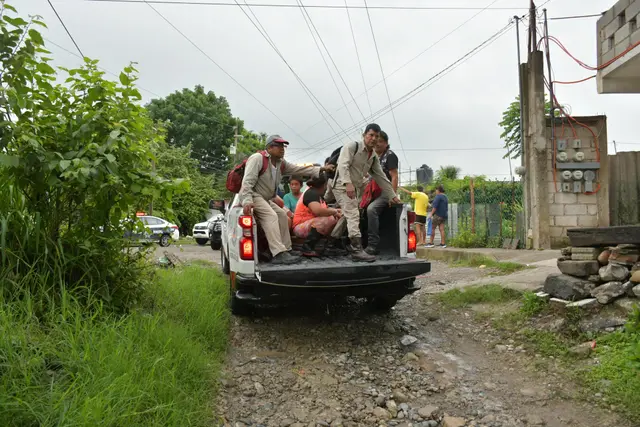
(573, 210)
(618, 29)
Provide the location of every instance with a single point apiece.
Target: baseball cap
(276, 139)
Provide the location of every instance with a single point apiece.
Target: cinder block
(556, 210)
(575, 209)
(606, 19)
(592, 209)
(588, 221)
(554, 187)
(622, 45)
(567, 220)
(620, 6)
(635, 37)
(565, 198)
(632, 10)
(611, 28)
(587, 199)
(622, 34)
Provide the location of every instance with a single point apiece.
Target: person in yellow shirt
(420, 208)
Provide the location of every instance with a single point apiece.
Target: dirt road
(314, 365)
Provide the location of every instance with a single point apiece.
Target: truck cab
(254, 280)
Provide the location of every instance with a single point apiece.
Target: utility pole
(410, 176)
(234, 150)
(520, 77)
(532, 27)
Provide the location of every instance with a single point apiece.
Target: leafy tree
(510, 125)
(188, 208)
(75, 158)
(447, 173)
(198, 119)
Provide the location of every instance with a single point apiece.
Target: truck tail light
(412, 239)
(246, 242)
(246, 249)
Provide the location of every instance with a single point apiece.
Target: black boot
(357, 254)
(309, 245)
(334, 247)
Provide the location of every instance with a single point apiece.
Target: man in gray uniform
(259, 190)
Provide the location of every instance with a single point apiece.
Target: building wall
(617, 30)
(570, 209)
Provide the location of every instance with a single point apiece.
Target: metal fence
(485, 214)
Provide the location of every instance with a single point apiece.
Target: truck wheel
(224, 261)
(216, 245)
(383, 303)
(239, 307)
(202, 242)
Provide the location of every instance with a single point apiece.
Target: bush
(75, 159)
(79, 365)
(466, 239)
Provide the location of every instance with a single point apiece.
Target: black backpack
(333, 160)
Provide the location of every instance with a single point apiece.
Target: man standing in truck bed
(259, 189)
(356, 160)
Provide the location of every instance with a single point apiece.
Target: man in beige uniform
(356, 160)
(258, 191)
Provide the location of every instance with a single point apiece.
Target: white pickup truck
(253, 280)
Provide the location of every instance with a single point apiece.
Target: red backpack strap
(265, 162)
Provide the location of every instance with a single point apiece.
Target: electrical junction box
(566, 187)
(589, 177)
(561, 145)
(577, 186)
(577, 144)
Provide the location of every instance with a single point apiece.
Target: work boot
(334, 247)
(357, 254)
(372, 250)
(284, 258)
(309, 245)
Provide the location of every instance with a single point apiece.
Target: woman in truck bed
(313, 219)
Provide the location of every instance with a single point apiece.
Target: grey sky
(461, 110)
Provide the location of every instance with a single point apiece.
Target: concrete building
(618, 32)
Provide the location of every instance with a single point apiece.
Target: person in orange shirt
(313, 220)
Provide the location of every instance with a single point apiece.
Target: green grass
(499, 267)
(487, 294)
(81, 366)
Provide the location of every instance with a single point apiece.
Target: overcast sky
(460, 110)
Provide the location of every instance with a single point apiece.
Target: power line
(306, 19)
(355, 45)
(223, 70)
(386, 87)
(404, 98)
(441, 39)
(558, 18)
(308, 91)
(65, 28)
(304, 10)
(314, 6)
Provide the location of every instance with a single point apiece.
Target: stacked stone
(595, 276)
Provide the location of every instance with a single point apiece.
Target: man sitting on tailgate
(259, 190)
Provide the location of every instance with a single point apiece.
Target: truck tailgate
(330, 272)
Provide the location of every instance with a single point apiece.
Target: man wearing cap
(356, 160)
(259, 190)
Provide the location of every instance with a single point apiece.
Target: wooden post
(473, 207)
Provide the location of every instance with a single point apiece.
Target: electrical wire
(223, 70)
(559, 18)
(319, 106)
(575, 81)
(306, 19)
(431, 46)
(415, 91)
(355, 45)
(386, 86)
(589, 67)
(65, 28)
(315, 6)
(304, 10)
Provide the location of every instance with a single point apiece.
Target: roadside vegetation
(90, 332)
(610, 371)
(497, 267)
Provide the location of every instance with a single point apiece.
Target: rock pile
(594, 276)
